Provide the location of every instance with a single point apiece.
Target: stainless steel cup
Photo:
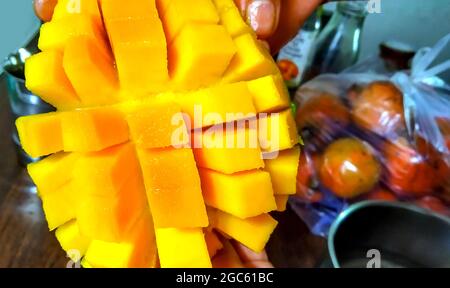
(22, 101)
(376, 234)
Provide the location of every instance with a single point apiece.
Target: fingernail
(261, 15)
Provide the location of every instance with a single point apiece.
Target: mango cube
(103, 254)
(55, 34)
(252, 232)
(104, 174)
(218, 105)
(251, 61)
(181, 12)
(283, 171)
(68, 7)
(70, 238)
(244, 195)
(40, 135)
(157, 124)
(93, 129)
(139, 44)
(269, 93)
(277, 131)
(53, 172)
(46, 78)
(181, 195)
(101, 87)
(59, 206)
(200, 50)
(231, 18)
(213, 243)
(282, 201)
(182, 248)
(227, 150)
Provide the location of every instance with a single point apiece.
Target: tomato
(349, 168)
(378, 108)
(307, 182)
(433, 204)
(381, 194)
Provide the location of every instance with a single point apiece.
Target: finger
(252, 259)
(263, 16)
(44, 9)
(293, 14)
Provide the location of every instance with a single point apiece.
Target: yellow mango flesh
(47, 79)
(227, 150)
(244, 195)
(219, 104)
(53, 172)
(231, 18)
(283, 171)
(71, 240)
(252, 232)
(86, 7)
(93, 129)
(101, 87)
(269, 93)
(251, 61)
(182, 196)
(182, 248)
(282, 201)
(59, 206)
(200, 50)
(278, 131)
(156, 124)
(138, 43)
(179, 13)
(40, 135)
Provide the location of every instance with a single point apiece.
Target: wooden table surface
(26, 242)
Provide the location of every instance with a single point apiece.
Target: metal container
(377, 234)
(22, 101)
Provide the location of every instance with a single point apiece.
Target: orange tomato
(378, 108)
(307, 179)
(381, 194)
(349, 168)
(408, 173)
(288, 69)
(433, 204)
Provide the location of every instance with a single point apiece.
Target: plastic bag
(374, 136)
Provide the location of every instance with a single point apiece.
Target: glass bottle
(294, 57)
(338, 45)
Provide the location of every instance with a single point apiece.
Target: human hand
(277, 21)
(44, 9)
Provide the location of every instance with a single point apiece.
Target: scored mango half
(133, 177)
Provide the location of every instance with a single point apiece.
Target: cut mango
(102, 254)
(244, 195)
(104, 173)
(53, 172)
(40, 135)
(182, 248)
(283, 171)
(277, 131)
(251, 61)
(181, 195)
(227, 150)
(111, 218)
(252, 232)
(181, 12)
(162, 6)
(87, 7)
(231, 18)
(101, 87)
(269, 93)
(59, 206)
(55, 34)
(46, 78)
(71, 240)
(93, 129)
(213, 243)
(200, 50)
(282, 201)
(157, 124)
(139, 44)
(218, 105)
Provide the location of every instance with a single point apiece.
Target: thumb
(261, 15)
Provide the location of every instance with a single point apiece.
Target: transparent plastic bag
(372, 135)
